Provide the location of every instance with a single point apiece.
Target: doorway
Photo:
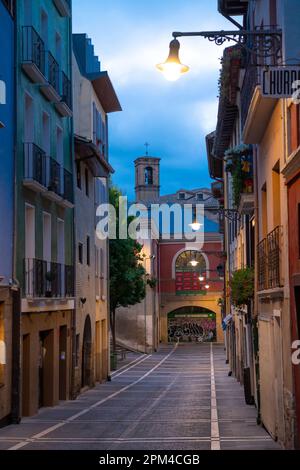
(26, 376)
(46, 363)
(86, 365)
(63, 333)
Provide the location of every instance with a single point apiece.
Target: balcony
(53, 180)
(51, 90)
(67, 193)
(59, 184)
(269, 261)
(247, 203)
(34, 168)
(43, 279)
(33, 55)
(64, 104)
(255, 109)
(233, 7)
(64, 7)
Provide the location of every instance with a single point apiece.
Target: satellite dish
(2, 92)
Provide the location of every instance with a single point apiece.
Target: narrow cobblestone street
(165, 401)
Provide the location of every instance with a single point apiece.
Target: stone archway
(171, 303)
(192, 324)
(86, 363)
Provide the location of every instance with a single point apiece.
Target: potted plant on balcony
(230, 62)
(242, 287)
(239, 164)
(49, 278)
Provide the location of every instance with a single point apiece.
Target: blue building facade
(6, 140)
(8, 353)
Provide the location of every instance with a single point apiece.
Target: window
(78, 175)
(294, 124)
(199, 197)
(44, 28)
(46, 237)
(148, 176)
(80, 253)
(101, 268)
(88, 251)
(181, 196)
(87, 187)
(77, 350)
(9, 5)
(46, 133)
(58, 48)
(60, 155)
(276, 195)
(29, 232)
(190, 273)
(97, 270)
(264, 214)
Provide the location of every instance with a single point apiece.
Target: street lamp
(194, 263)
(172, 68)
(195, 226)
(258, 43)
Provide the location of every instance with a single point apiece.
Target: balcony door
(47, 244)
(29, 248)
(60, 155)
(61, 251)
(28, 119)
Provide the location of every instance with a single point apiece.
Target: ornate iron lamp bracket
(258, 43)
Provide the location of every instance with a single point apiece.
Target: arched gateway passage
(86, 364)
(192, 324)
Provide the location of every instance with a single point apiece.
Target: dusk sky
(131, 37)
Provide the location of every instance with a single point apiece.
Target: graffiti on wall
(192, 330)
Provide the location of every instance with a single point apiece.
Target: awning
(86, 151)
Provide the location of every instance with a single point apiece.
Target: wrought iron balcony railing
(251, 80)
(34, 165)
(33, 51)
(262, 265)
(273, 247)
(269, 261)
(43, 279)
(52, 72)
(54, 182)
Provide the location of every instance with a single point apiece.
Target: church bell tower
(147, 179)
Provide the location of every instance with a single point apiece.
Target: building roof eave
(87, 151)
(105, 92)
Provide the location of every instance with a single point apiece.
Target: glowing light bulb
(172, 68)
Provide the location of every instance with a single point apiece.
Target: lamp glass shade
(201, 278)
(172, 68)
(207, 286)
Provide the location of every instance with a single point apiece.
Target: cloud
(131, 37)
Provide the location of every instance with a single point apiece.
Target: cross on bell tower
(147, 178)
(147, 149)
